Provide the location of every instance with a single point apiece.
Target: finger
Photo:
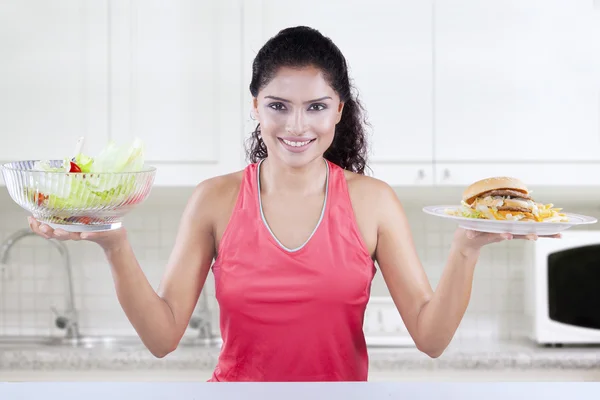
(94, 236)
(32, 224)
(36, 227)
(61, 234)
(87, 236)
(487, 237)
(557, 236)
(529, 236)
(498, 237)
(46, 230)
(472, 234)
(75, 236)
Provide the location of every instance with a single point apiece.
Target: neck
(306, 180)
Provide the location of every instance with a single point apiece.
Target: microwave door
(574, 286)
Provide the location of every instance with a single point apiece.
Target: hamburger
(506, 198)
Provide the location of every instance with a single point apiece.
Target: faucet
(69, 320)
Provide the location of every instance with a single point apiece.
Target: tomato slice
(74, 167)
(40, 198)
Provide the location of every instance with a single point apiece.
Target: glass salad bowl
(82, 193)
(76, 201)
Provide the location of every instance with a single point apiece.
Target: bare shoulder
(219, 190)
(375, 206)
(218, 187)
(214, 197)
(372, 190)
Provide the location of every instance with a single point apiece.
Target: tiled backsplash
(34, 279)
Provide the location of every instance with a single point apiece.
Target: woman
(294, 237)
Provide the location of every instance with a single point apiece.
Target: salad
(84, 182)
(538, 212)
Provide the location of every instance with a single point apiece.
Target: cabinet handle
(421, 174)
(446, 173)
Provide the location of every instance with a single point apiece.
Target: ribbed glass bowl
(77, 202)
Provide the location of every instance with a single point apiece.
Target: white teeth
(295, 144)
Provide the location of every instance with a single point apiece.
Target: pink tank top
(292, 314)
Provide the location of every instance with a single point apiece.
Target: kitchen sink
(215, 342)
(89, 342)
(95, 342)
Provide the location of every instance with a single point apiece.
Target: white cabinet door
(176, 84)
(53, 77)
(388, 48)
(534, 175)
(517, 80)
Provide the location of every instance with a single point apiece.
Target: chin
(298, 160)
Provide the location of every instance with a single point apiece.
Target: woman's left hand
(469, 241)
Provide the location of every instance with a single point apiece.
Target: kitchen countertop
(471, 355)
(302, 390)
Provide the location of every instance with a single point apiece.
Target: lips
(296, 144)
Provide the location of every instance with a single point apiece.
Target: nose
(295, 124)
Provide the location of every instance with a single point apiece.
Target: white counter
(477, 361)
(474, 355)
(300, 391)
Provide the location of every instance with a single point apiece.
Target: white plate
(514, 227)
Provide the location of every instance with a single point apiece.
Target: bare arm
(431, 318)
(160, 319)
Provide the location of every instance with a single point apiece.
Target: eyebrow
(287, 101)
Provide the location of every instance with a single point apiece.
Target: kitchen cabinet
(388, 47)
(53, 77)
(175, 82)
(455, 90)
(516, 82)
(533, 174)
(383, 325)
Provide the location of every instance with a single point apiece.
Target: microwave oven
(562, 290)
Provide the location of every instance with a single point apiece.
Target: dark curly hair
(303, 46)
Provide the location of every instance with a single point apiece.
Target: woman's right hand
(107, 240)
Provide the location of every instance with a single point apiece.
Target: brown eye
(317, 107)
(277, 106)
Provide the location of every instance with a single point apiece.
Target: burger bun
(500, 183)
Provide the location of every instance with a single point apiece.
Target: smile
(296, 145)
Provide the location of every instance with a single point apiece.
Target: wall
(33, 279)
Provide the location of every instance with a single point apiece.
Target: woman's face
(297, 112)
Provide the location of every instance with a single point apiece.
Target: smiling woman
(303, 94)
(297, 131)
(293, 238)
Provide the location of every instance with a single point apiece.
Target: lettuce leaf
(119, 158)
(84, 162)
(468, 212)
(102, 182)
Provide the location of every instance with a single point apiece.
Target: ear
(339, 113)
(254, 110)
